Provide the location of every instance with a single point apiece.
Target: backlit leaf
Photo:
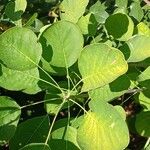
(99, 65)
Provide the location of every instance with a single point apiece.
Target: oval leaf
(19, 49)
(62, 43)
(124, 23)
(99, 65)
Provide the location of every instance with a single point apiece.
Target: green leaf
(110, 91)
(99, 65)
(137, 48)
(99, 12)
(36, 146)
(19, 49)
(136, 11)
(15, 9)
(88, 24)
(142, 29)
(124, 23)
(144, 99)
(145, 75)
(142, 123)
(121, 3)
(9, 117)
(103, 127)
(34, 130)
(72, 10)
(65, 137)
(26, 81)
(62, 46)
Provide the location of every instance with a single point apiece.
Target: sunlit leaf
(28, 80)
(72, 10)
(103, 127)
(62, 46)
(17, 51)
(99, 65)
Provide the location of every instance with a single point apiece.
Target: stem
(51, 127)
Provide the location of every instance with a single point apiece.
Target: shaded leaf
(141, 123)
(34, 130)
(124, 23)
(137, 48)
(9, 117)
(65, 137)
(110, 91)
(36, 146)
(15, 9)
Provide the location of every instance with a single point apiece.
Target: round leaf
(99, 65)
(124, 23)
(9, 117)
(62, 43)
(103, 127)
(19, 49)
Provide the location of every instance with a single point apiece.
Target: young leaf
(137, 48)
(72, 10)
(26, 81)
(19, 49)
(34, 130)
(98, 10)
(62, 44)
(121, 3)
(99, 65)
(136, 11)
(110, 91)
(36, 146)
(141, 123)
(9, 117)
(124, 23)
(103, 127)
